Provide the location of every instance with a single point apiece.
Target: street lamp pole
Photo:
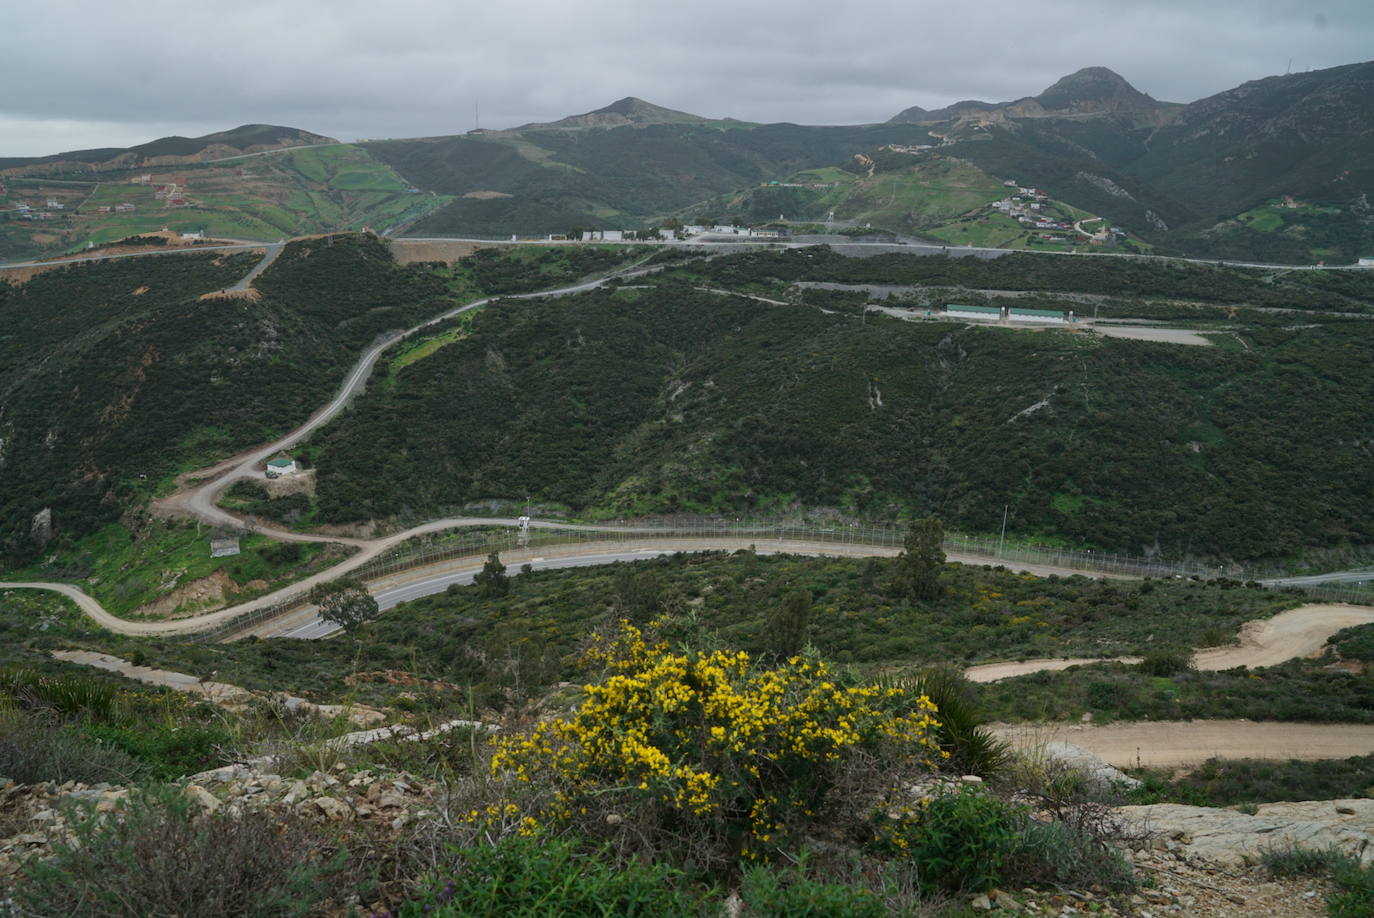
(1002, 540)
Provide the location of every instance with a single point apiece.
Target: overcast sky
(77, 73)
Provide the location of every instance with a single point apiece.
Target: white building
(986, 313)
(1367, 261)
(279, 467)
(1038, 316)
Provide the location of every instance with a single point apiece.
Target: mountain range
(1090, 92)
(1275, 169)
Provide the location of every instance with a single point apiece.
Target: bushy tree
(923, 559)
(788, 624)
(345, 603)
(492, 578)
(639, 594)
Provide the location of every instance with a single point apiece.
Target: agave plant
(972, 748)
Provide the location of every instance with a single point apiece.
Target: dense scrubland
(672, 399)
(115, 376)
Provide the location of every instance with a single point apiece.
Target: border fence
(458, 544)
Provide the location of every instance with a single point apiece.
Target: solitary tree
(492, 578)
(923, 560)
(788, 624)
(639, 595)
(345, 603)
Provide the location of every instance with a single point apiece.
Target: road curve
(201, 501)
(268, 257)
(644, 541)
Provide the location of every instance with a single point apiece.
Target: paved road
(646, 542)
(915, 248)
(391, 597)
(1359, 575)
(268, 257)
(436, 578)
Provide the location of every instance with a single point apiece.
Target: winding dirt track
(1300, 632)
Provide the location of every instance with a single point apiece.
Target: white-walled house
(279, 467)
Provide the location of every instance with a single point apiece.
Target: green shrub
(770, 893)
(1303, 862)
(959, 841)
(167, 752)
(1058, 853)
(32, 752)
(165, 856)
(1166, 663)
(1354, 893)
(537, 878)
(1354, 897)
(1355, 643)
(1225, 782)
(65, 696)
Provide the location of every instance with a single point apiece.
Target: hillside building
(1038, 316)
(279, 467)
(224, 547)
(986, 313)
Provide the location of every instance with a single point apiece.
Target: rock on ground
(1232, 838)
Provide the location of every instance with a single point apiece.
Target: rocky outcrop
(1232, 838)
(1081, 760)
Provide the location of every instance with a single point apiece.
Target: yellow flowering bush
(712, 742)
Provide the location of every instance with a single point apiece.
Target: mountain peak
(1092, 90)
(627, 111)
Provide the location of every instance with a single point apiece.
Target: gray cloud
(80, 74)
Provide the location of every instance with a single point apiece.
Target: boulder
(334, 809)
(202, 797)
(1080, 759)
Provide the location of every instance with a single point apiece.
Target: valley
(899, 462)
(534, 329)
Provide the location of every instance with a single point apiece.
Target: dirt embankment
(409, 251)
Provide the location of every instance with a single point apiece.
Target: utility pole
(1001, 541)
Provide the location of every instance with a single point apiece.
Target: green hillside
(613, 177)
(674, 400)
(1187, 183)
(892, 191)
(116, 375)
(295, 192)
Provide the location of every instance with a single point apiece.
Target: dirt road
(1300, 632)
(1177, 743)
